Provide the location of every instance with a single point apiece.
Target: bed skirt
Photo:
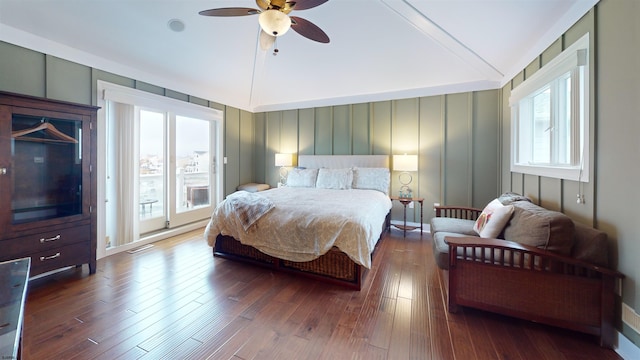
(334, 266)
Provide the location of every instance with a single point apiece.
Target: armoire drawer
(21, 246)
(51, 259)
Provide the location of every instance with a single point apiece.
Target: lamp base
(405, 179)
(405, 192)
(283, 176)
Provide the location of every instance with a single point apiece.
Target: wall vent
(630, 317)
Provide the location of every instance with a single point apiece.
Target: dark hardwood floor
(176, 301)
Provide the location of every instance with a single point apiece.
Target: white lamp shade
(274, 22)
(405, 162)
(284, 159)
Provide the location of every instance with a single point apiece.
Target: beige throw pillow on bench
(493, 219)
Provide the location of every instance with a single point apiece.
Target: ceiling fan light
(274, 22)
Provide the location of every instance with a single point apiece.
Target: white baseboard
(626, 349)
(161, 235)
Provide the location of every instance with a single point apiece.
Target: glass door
(185, 182)
(151, 171)
(191, 147)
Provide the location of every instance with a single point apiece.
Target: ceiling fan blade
(266, 40)
(306, 4)
(308, 29)
(232, 11)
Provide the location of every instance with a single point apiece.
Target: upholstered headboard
(343, 161)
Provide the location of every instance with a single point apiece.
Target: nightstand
(405, 202)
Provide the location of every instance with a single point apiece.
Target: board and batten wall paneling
(150, 88)
(455, 138)
(558, 194)
(457, 161)
(68, 81)
(485, 153)
(323, 140)
(405, 136)
(618, 148)
(245, 148)
(430, 159)
(306, 132)
(552, 190)
(342, 139)
(289, 133)
(22, 70)
(361, 129)
(381, 128)
(232, 151)
(273, 140)
(531, 187)
(259, 146)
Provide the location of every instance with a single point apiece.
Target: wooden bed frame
(334, 266)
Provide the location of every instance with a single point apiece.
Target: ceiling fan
(275, 21)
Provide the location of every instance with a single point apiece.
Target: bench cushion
(452, 225)
(591, 245)
(441, 248)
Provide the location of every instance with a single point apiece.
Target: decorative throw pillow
(339, 179)
(302, 177)
(371, 179)
(493, 219)
(253, 187)
(509, 198)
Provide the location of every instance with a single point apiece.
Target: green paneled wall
(457, 152)
(30, 72)
(618, 150)
(68, 81)
(485, 152)
(614, 129)
(450, 170)
(553, 193)
(22, 70)
(232, 150)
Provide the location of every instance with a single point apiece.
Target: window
(550, 114)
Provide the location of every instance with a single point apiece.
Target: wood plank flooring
(175, 301)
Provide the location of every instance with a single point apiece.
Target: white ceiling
(379, 49)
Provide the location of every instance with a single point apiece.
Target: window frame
(573, 61)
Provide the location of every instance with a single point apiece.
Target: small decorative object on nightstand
(405, 163)
(283, 160)
(406, 201)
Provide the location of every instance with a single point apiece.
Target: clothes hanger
(50, 129)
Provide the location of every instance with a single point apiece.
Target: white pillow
(493, 219)
(340, 179)
(302, 177)
(371, 179)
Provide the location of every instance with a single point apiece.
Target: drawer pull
(43, 240)
(43, 258)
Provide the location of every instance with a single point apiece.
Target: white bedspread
(306, 222)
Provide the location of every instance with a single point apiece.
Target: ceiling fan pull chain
(275, 47)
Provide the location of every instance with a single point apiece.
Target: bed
(326, 223)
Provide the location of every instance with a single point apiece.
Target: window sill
(566, 173)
